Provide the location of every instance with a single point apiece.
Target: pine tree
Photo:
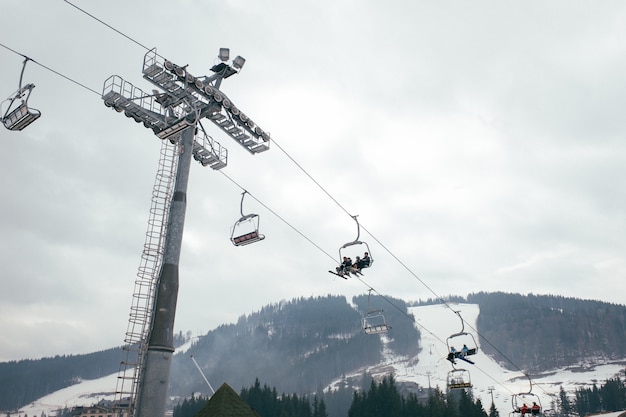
(493, 411)
(319, 408)
(564, 404)
(613, 394)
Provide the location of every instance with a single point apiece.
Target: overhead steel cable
(107, 25)
(52, 70)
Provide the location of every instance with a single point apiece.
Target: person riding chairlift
(523, 410)
(464, 351)
(534, 409)
(345, 267)
(452, 354)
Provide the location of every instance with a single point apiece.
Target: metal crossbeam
(203, 99)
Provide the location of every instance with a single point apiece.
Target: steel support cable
(97, 19)
(51, 70)
(312, 179)
(107, 25)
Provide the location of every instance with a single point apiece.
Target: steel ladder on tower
(141, 310)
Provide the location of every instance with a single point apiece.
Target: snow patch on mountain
(437, 323)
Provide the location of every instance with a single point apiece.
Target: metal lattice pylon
(141, 310)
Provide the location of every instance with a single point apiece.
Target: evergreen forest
(384, 399)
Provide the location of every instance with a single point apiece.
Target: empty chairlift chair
(459, 379)
(17, 117)
(246, 229)
(374, 321)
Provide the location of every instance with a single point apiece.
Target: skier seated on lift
(464, 351)
(357, 266)
(534, 409)
(361, 262)
(345, 267)
(365, 261)
(452, 354)
(523, 410)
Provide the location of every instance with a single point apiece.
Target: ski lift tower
(173, 113)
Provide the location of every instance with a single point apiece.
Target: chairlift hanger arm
(358, 228)
(26, 59)
(243, 195)
(458, 313)
(356, 242)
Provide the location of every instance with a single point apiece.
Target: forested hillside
(296, 346)
(541, 332)
(24, 381)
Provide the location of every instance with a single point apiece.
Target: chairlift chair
(462, 338)
(374, 321)
(246, 229)
(17, 118)
(347, 248)
(459, 379)
(528, 398)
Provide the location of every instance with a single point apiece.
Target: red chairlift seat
(246, 229)
(250, 236)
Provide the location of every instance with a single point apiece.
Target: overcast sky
(480, 143)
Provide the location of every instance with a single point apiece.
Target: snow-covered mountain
(436, 324)
(430, 367)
